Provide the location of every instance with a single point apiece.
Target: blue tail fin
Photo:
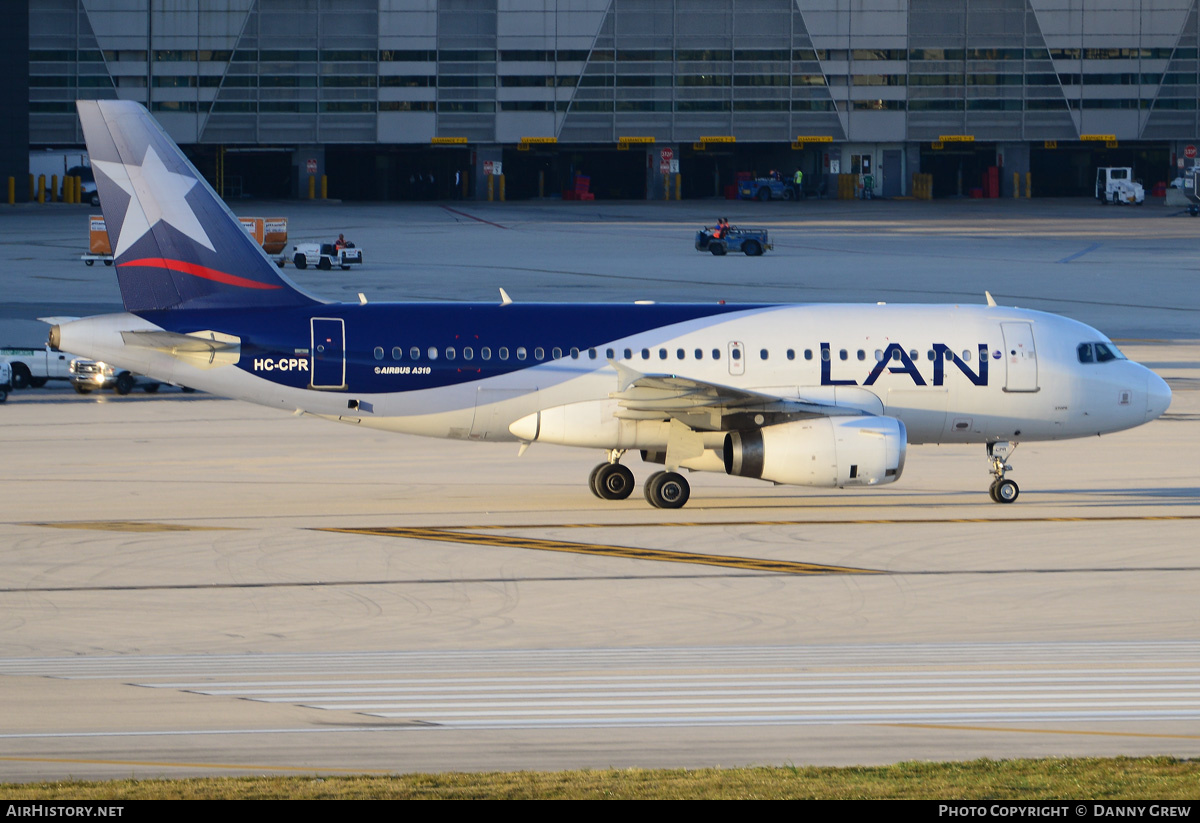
(175, 243)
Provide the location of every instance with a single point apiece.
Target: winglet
(990, 300)
(505, 300)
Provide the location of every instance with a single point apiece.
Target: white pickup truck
(90, 375)
(33, 367)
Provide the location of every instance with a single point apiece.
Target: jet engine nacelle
(823, 451)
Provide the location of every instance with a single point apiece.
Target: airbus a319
(809, 395)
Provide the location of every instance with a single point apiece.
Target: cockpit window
(1098, 352)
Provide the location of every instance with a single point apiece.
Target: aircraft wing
(707, 406)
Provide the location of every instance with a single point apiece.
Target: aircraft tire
(592, 479)
(614, 482)
(1006, 491)
(667, 490)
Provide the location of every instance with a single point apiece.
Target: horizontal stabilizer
(202, 349)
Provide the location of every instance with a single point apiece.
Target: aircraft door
(328, 353)
(1020, 357)
(737, 358)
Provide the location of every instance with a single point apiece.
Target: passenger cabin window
(574, 354)
(379, 352)
(679, 354)
(432, 352)
(539, 353)
(628, 354)
(503, 352)
(645, 354)
(764, 354)
(450, 353)
(862, 355)
(662, 354)
(699, 354)
(808, 354)
(397, 353)
(716, 354)
(557, 353)
(610, 354)
(791, 354)
(468, 353)
(486, 353)
(414, 353)
(520, 352)
(591, 354)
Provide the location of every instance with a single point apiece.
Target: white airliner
(809, 395)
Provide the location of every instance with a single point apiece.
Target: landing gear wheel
(667, 490)
(1005, 491)
(612, 481)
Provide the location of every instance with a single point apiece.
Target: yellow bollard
(41, 188)
(678, 178)
(491, 186)
(502, 188)
(324, 187)
(312, 187)
(12, 191)
(1028, 184)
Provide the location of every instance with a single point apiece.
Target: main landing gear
(1002, 489)
(612, 481)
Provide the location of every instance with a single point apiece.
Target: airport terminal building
(406, 99)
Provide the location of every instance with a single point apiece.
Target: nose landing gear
(1002, 489)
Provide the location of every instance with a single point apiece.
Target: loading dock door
(328, 353)
(1020, 356)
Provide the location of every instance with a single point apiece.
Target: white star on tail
(155, 194)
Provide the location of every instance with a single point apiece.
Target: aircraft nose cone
(1158, 396)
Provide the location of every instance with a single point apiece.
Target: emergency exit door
(328, 353)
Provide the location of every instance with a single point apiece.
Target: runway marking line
(1039, 731)
(726, 561)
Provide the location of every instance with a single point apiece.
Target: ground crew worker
(798, 182)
